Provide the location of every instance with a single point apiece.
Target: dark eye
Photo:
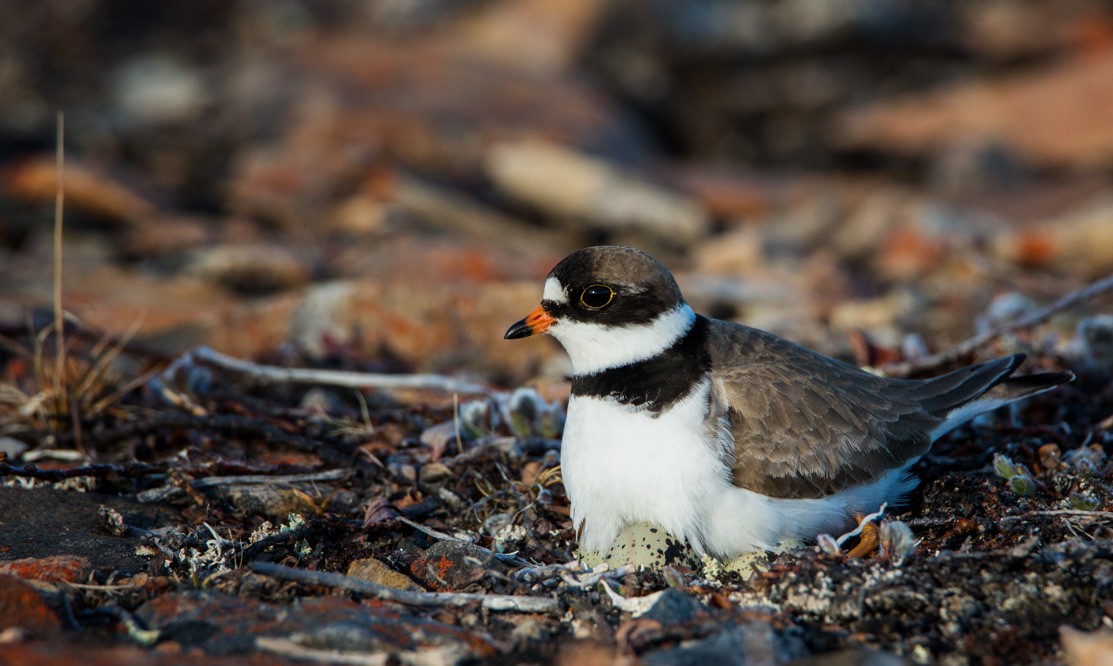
(597, 296)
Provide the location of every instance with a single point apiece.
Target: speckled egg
(643, 545)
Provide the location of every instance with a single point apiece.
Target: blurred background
(387, 182)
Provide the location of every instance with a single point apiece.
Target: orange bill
(537, 322)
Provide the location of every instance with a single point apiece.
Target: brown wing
(806, 425)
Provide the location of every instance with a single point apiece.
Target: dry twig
(272, 373)
(969, 346)
(492, 602)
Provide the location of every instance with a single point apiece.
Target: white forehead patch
(554, 291)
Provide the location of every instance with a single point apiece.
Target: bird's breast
(625, 464)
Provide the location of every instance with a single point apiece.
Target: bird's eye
(597, 296)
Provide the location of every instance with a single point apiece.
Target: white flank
(964, 413)
(743, 521)
(594, 347)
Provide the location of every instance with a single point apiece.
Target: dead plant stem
(967, 347)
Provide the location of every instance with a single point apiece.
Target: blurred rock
(565, 184)
(158, 88)
(21, 606)
(1058, 115)
(427, 103)
(222, 624)
(11, 447)
(252, 269)
(756, 643)
(875, 314)
(1011, 30)
(675, 607)
(1078, 242)
(533, 35)
(1087, 648)
(733, 194)
(1090, 351)
(164, 236)
(88, 189)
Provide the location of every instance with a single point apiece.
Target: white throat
(595, 347)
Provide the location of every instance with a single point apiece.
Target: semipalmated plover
(728, 437)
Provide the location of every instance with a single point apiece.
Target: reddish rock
(453, 565)
(87, 189)
(732, 193)
(21, 606)
(57, 568)
(1079, 241)
(1013, 30)
(431, 103)
(223, 624)
(53, 653)
(1058, 115)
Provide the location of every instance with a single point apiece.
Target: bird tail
(961, 395)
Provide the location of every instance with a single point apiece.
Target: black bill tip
(520, 329)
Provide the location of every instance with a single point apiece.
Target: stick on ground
(967, 347)
(493, 602)
(422, 382)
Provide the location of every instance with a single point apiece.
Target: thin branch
(440, 536)
(492, 602)
(169, 492)
(862, 524)
(128, 470)
(59, 199)
(135, 470)
(272, 373)
(1072, 513)
(967, 347)
(232, 424)
(285, 647)
(252, 550)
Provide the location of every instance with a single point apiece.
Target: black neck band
(658, 382)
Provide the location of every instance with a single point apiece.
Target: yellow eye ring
(596, 296)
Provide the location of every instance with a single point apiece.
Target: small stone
(1050, 457)
(11, 447)
(374, 571)
(756, 643)
(1086, 460)
(510, 538)
(434, 473)
(270, 500)
(403, 473)
(111, 521)
(453, 565)
(673, 607)
(527, 630)
(441, 437)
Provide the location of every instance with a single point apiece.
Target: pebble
(374, 571)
